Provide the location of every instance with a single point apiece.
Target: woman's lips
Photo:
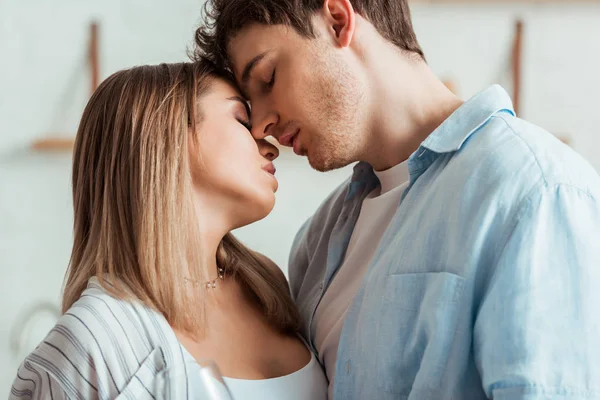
(269, 168)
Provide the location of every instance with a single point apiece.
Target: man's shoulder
(514, 157)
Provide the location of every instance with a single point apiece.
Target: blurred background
(53, 52)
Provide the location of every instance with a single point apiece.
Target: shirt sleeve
(537, 329)
(33, 382)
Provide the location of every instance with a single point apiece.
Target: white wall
(43, 88)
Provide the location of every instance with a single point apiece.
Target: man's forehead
(250, 42)
(240, 55)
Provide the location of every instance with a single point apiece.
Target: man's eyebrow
(241, 100)
(250, 66)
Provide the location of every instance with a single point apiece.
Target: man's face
(307, 93)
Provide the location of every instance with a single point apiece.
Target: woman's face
(233, 174)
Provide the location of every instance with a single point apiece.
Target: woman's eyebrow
(241, 100)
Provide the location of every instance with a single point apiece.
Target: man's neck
(410, 103)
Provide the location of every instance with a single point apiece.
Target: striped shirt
(104, 348)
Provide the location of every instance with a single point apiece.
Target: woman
(164, 168)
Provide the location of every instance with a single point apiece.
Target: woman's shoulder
(104, 323)
(99, 343)
(99, 318)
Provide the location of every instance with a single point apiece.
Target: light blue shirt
(486, 282)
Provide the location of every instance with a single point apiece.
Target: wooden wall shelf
(53, 144)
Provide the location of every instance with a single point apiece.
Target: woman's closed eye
(241, 112)
(245, 122)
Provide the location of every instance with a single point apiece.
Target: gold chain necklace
(209, 284)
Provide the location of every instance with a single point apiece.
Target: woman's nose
(264, 125)
(267, 150)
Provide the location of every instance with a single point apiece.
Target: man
(461, 260)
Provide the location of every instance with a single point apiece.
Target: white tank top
(308, 383)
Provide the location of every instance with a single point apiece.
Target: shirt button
(348, 367)
(321, 286)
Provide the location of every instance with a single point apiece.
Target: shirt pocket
(416, 331)
(142, 383)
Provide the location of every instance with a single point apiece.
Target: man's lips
(287, 139)
(296, 145)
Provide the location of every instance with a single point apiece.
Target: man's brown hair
(223, 19)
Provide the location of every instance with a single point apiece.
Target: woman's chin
(254, 211)
(265, 207)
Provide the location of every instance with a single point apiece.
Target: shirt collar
(467, 119)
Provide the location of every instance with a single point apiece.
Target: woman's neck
(211, 231)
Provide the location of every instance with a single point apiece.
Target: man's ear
(340, 19)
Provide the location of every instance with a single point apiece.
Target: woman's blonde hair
(135, 225)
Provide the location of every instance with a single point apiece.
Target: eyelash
(246, 124)
(270, 84)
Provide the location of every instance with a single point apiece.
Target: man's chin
(325, 164)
